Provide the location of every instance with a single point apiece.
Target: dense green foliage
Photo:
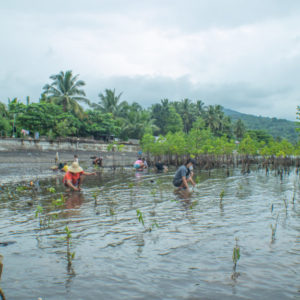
(278, 128)
(184, 126)
(203, 142)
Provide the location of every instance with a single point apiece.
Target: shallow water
(187, 254)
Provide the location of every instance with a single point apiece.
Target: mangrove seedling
(274, 228)
(120, 147)
(285, 204)
(46, 219)
(140, 217)
(193, 204)
(60, 201)
(154, 224)
(70, 255)
(95, 196)
(153, 192)
(222, 194)
(111, 147)
(51, 190)
(293, 199)
(159, 184)
(197, 180)
(22, 188)
(130, 185)
(235, 255)
(38, 212)
(68, 233)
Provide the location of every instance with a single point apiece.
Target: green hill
(278, 128)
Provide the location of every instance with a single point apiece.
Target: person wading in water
(184, 174)
(73, 177)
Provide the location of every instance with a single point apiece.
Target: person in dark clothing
(98, 161)
(160, 166)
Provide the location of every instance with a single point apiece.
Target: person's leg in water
(183, 184)
(141, 168)
(179, 185)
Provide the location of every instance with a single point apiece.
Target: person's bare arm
(192, 181)
(71, 185)
(88, 174)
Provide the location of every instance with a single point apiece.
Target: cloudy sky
(241, 54)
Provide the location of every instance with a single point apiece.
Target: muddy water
(183, 250)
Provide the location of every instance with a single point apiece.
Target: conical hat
(75, 168)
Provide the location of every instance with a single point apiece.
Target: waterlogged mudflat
(187, 254)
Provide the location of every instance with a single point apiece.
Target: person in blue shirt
(184, 174)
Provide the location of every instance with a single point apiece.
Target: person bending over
(160, 167)
(184, 174)
(98, 161)
(139, 164)
(73, 177)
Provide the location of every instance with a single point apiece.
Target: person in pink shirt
(139, 164)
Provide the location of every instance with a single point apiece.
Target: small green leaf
(51, 190)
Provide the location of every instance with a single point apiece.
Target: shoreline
(23, 165)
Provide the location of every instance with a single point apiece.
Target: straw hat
(75, 168)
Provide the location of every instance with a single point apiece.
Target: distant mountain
(278, 128)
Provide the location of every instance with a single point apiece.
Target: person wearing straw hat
(73, 177)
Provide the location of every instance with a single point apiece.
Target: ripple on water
(183, 250)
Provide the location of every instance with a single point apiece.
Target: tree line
(201, 141)
(59, 113)
(278, 128)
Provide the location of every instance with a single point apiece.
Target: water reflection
(74, 199)
(185, 197)
(184, 194)
(140, 243)
(221, 209)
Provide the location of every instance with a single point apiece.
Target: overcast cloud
(243, 55)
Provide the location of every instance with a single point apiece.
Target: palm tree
(65, 90)
(211, 118)
(3, 110)
(136, 107)
(109, 103)
(4, 120)
(199, 108)
(136, 124)
(160, 113)
(187, 112)
(216, 120)
(239, 129)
